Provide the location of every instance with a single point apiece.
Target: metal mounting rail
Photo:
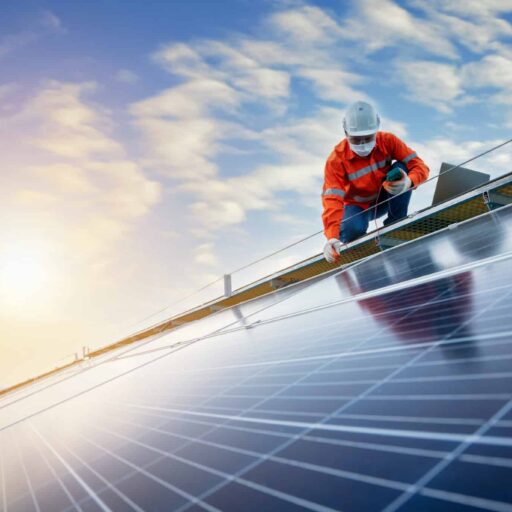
(492, 195)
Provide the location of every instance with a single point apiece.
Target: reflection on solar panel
(385, 386)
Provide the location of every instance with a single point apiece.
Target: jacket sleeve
(333, 194)
(418, 170)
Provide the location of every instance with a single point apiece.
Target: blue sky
(150, 147)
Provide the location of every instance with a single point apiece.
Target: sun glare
(23, 272)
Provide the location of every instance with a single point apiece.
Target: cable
(374, 206)
(282, 249)
(211, 283)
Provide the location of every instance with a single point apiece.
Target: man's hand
(399, 186)
(332, 250)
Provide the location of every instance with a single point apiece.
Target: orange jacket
(352, 179)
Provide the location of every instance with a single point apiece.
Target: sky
(148, 148)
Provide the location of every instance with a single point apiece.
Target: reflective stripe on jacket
(352, 179)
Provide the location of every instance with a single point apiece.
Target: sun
(23, 272)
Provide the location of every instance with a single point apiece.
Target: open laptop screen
(455, 182)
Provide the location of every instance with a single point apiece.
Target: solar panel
(386, 386)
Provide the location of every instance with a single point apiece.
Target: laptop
(453, 183)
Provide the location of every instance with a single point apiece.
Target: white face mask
(362, 149)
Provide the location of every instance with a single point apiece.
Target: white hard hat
(361, 119)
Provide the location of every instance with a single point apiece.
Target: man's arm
(333, 194)
(418, 170)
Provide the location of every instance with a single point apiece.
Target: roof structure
(383, 386)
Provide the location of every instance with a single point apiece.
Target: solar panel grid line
(227, 476)
(487, 355)
(480, 376)
(3, 487)
(413, 434)
(34, 474)
(308, 414)
(123, 496)
(345, 474)
(390, 366)
(151, 476)
(482, 459)
(448, 459)
(273, 451)
(471, 501)
(236, 384)
(395, 287)
(451, 397)
(426, 364)
(411, 419)
(57, 478)
(123, 352)
(70, 469)
(334, 442)
(79, 372)
(330, 304)
(338, 355)
(496, 289)
(370, 352)
(177, 346)
(83, 392)
(288, 289)
(453, 496)
(376, 334)
(423, 379)
(27, 478)
(325, 469)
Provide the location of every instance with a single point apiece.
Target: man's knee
(353, 228)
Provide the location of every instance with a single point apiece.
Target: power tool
(394, 175)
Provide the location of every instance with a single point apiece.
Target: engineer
(356, 179)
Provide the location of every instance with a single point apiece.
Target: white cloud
(188, 126)
(205, 255)
(275, 53)
(182, 149)
(438, 150)
(335, 84)
(82, 186)
(445, 86)
(473, 7)
(126, 76)
(182, 136)
(378, 24)
(302, 144)
(493, 71)
(182, 59)
(130, 193)
(191, 99)
(306, 24)
(432, 83)
(68, 126)
(64, 178)
(52, 22)
(476, 25)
